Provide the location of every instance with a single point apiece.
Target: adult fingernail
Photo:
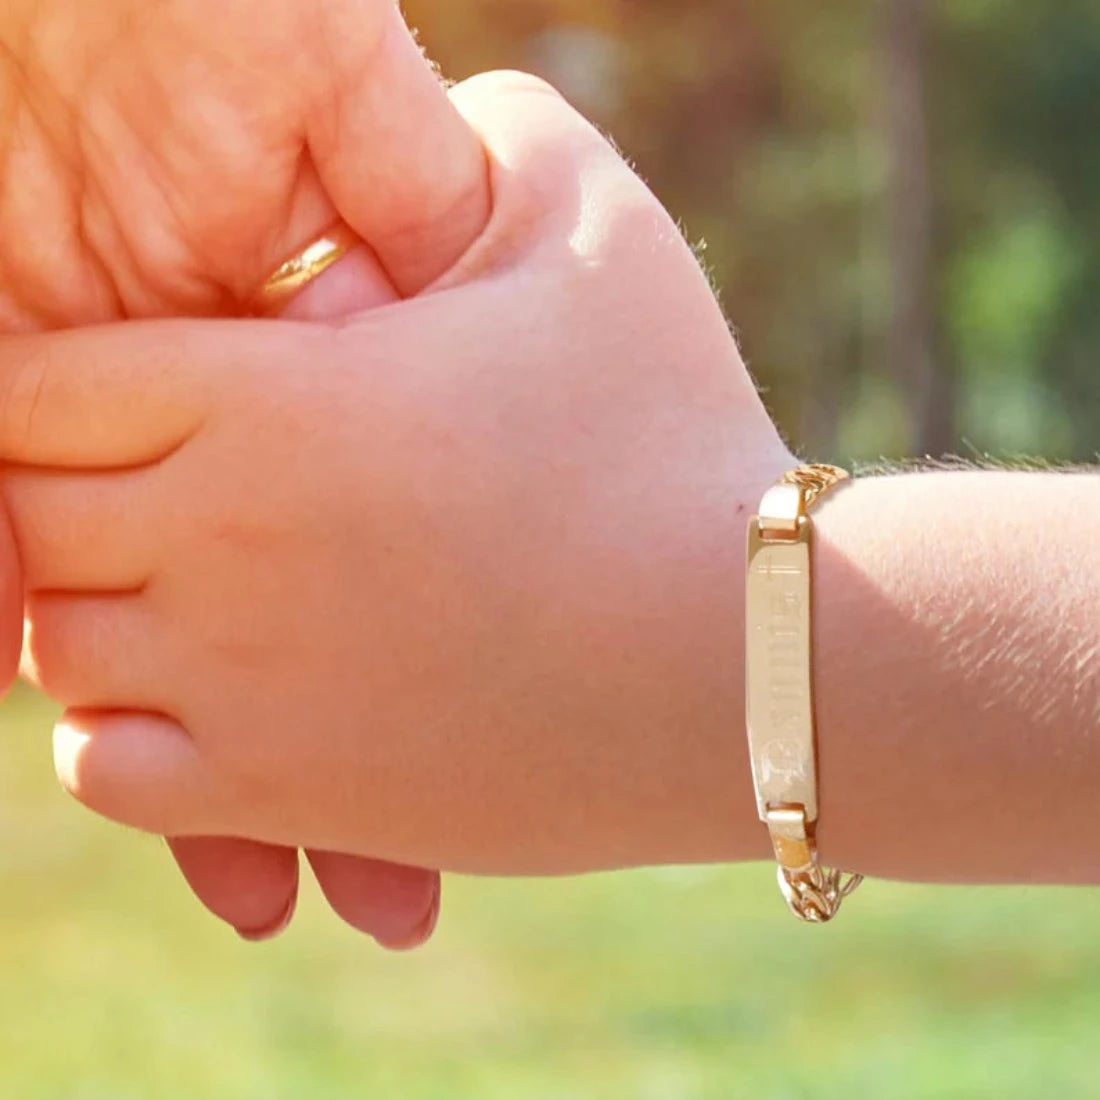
(273, 930)
(422, 932)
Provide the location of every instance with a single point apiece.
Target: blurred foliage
(763, 125)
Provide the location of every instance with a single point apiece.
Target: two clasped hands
(364, 578)
(441, 563)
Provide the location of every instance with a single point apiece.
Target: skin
(961, 745)
(496, 624)
(150, 168)
(451, 533)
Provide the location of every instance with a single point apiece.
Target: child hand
(456, 583)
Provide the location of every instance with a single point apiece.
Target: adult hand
(468, 597)
(161, 160)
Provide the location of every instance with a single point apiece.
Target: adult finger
(254, 888)
(398, 160)
(389, 155)
(398, 906)
(251, 886)
(11, 605)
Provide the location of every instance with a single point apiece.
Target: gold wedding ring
(293, 276)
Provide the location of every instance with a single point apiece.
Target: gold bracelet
(779, 690)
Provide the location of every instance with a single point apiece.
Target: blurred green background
(901, 204)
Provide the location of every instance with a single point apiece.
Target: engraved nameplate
(779, 695)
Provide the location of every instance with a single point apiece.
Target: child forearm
(957, 668)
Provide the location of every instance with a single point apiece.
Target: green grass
(673, 985)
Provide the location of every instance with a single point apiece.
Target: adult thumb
(399, 162)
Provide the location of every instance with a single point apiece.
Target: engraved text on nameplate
(780, 714)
